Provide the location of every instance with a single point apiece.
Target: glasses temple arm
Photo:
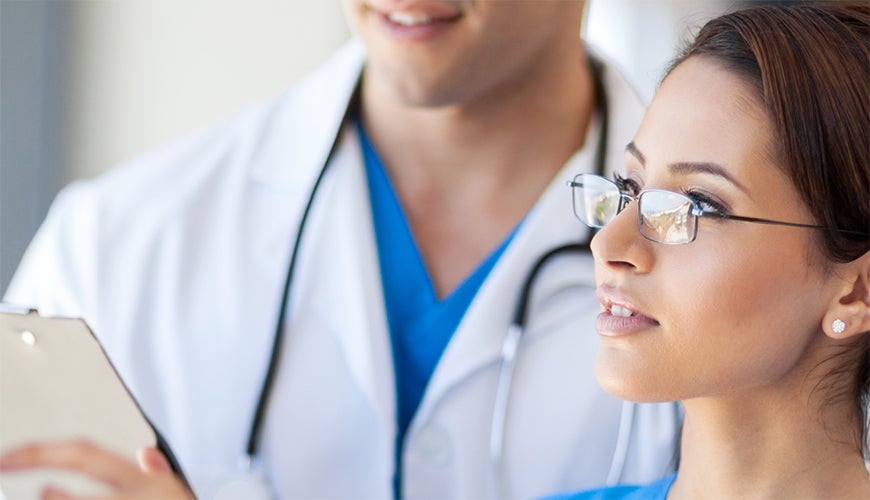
(781, 223)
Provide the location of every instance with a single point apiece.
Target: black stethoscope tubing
(278, 337)
(602, 105)
(520, 311)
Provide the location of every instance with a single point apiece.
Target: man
(427, 195)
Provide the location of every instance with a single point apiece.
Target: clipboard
(56, 383)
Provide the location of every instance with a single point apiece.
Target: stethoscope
(510, 345)
(516, 330)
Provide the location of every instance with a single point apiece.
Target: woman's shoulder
(653, 491)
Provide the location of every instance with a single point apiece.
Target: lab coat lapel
(338, 274)
(342, 281)
(295, 145)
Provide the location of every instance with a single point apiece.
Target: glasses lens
(666, 217)
(596, 200)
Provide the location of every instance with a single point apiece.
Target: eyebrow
(633, 151)
(689, 167)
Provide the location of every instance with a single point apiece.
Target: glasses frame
(695, 211)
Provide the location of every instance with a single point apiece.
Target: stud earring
(839, 326)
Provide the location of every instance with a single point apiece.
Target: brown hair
(810, 65)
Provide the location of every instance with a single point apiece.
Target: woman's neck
(770, 445)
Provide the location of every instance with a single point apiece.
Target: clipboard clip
(17, 309)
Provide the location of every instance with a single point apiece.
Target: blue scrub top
(657, 490)
(420, 324)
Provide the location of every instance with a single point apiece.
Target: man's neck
(466, 174)
(504, 133)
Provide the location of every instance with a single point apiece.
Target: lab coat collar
(296, 144)
(477, 342)
(297, 153)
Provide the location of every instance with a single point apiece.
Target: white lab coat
(177, 261)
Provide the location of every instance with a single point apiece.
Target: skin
(736, 317)
(151, 478)
(504, 97)
(476, 118)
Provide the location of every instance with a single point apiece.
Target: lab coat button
(433, 445)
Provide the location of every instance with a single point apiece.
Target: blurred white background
(85, 84)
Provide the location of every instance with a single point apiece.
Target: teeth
(408, 18)
(619, 311)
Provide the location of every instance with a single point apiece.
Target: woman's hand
(152, 478)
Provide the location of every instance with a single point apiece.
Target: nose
(620, 246)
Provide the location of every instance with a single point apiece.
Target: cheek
(746, 314)
(712, 288)
(754, 287)
(730, 318)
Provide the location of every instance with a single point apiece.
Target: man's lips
(410, 19)
(411, 14)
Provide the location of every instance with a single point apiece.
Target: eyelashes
(625, 185)
(708, 202)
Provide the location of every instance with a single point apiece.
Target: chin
(424, 94)
(412, 93)
(631, 382)
(416, 87)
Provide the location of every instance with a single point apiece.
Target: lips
(409, 19)
(620, 316)
(415, 21)
(415, 10)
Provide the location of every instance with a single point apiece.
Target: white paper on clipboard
(56, 383)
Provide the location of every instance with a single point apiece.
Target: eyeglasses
(662, 216)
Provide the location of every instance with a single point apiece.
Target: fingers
(154, 480)
(77, 456)
(55, 493)
(153, 462)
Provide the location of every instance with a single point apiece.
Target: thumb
(152, 461)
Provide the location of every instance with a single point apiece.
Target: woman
(733, 265)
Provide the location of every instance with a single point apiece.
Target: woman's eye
(627, 186)
(707, 204)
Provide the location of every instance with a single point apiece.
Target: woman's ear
(849, 312)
